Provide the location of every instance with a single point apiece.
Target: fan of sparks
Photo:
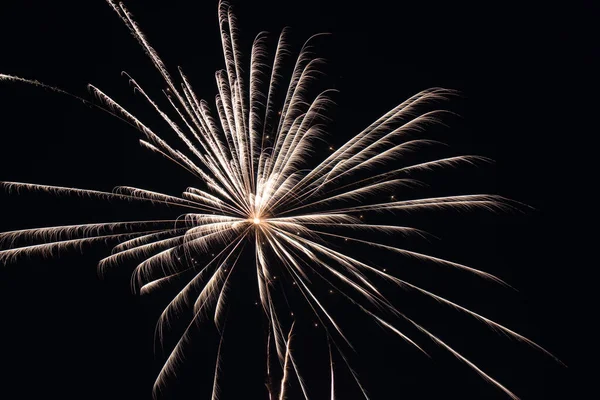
(247, 151)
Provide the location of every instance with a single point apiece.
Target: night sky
(67, 334)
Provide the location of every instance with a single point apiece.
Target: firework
(246, 151)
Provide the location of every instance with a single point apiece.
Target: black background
(67, 334)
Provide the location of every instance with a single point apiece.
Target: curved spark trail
(246, 151)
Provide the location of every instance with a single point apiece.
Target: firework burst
(246, 151)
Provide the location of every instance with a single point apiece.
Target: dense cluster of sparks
(248, 151)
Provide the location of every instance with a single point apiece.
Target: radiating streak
(71, 231)
(416, 255)
(163, 258)
(11, 78)
(465, 201)
(358, 160)
(492, 324)
(357, 140)
(466, 361)
(168, 120)
(210, 203)
(479, 317)
(426, 166)
(331, 367)
(155, 196)
(285, 365)
(144, 240)
(371, 314)
(59, 190)
(297, 74)
(357, 193)
(215, 391)
(313, 297)
(299, 377)
(146, 249)
(117, 109)
(46, 249)
(296, 278)
(222, 294)
(33, 82)
(269, 364)
(485, 376)
(396, 331)
(173, 357)
(370, 296)
(379, 158)
(149, 285)
(384, 228)
(155, 149)
(158, 282)
(317, 217)
(378, 297)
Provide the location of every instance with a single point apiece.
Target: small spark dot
(315, 324)
(330, 291)
(384, 270)
(292, 314)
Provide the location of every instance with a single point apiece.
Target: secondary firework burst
(246, 152)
